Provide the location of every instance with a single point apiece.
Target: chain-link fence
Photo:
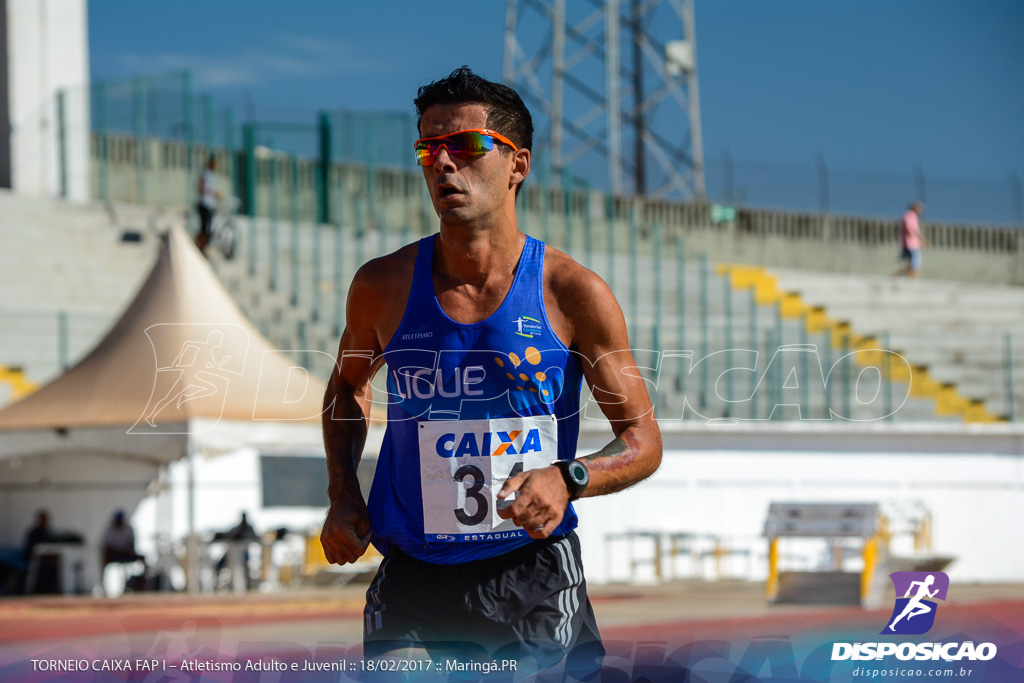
(823, 188)
(150, 135)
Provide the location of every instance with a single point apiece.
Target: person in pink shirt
(912, 239)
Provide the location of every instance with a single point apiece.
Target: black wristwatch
(576, 476)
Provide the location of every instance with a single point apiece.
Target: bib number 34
(463, 466)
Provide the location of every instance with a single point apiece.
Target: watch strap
(575, 484)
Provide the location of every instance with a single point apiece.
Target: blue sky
(875, 87)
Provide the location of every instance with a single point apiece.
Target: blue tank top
(468, 407)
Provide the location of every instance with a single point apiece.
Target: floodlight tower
(571, 70)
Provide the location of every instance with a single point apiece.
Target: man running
(915, 606)
(487, 336)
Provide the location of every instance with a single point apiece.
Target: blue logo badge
(914, 613)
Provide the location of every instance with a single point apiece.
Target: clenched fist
(346, 532)
(541, 501)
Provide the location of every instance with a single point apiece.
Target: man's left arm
(598, 333)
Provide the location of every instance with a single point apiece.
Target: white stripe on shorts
(372, 614)
(568, 599)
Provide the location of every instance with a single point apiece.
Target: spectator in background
(241, 534)
(40, 533)
(243, 531)
(119, 542)
(47, 570)
(207, 205)
(912, 239)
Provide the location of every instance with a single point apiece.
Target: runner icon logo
(527, 327)
(914, 613)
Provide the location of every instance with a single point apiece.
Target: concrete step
(866, 284)
(818, 588)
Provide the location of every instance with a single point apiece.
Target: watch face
(578, 472)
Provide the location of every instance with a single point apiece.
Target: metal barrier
(166, 179)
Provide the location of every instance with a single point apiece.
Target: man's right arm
(346, 531)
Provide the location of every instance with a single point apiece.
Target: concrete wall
(67, 258)
(5, 101)
(47, 50)
(720, 481)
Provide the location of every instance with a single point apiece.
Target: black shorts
(528, 603)
(205, 219)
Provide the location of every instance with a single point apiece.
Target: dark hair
(506, 112)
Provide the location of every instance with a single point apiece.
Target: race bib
(464, 464)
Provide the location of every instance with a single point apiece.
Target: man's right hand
(346, 532)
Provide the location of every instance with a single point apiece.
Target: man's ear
(520, 167)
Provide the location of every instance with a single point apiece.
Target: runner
(915, 607)
(487, 336)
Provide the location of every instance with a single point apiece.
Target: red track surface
(1009, 614)
(55, 619)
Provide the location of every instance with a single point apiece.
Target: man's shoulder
(380, 277)
(579, 303)
(569, 281)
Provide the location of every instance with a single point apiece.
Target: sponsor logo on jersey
(428, 382)
(527, 327)
(474, 444)
(437, 377)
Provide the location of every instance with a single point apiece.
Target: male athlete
(487, 336)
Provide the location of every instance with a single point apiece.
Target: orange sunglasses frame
(482, 131)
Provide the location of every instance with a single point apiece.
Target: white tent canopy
(182, 370)
(182, 330)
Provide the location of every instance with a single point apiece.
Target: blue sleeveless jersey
(468, 407)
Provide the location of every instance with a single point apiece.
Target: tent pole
(158, 507)
(192, 548)
(163, 540)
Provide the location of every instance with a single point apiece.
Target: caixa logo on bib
(476, 445)
(914, 614)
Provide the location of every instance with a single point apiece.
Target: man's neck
(473, 255)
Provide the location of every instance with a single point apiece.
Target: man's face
(464, 190)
